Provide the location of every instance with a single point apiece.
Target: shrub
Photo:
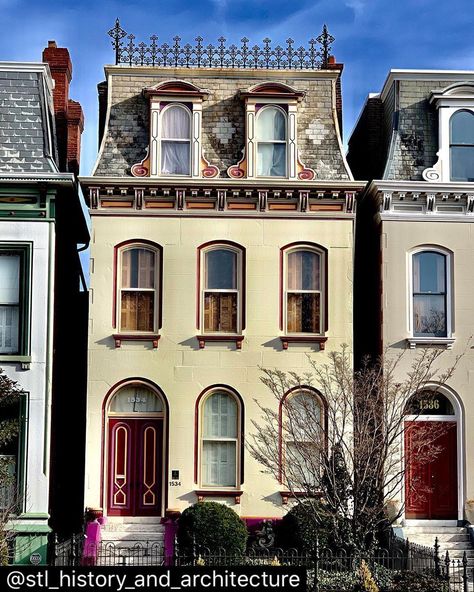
(305, 522)
(211, 525)
(416, 582)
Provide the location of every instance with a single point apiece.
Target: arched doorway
(431, 446)
(135, 452)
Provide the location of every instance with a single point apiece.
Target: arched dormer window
(271, 142)
(461, 146)
(175, 140)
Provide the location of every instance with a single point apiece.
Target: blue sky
(372, 36)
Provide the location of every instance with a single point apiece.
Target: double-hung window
(271, 142)
(220, 440)
(138, 289)
(304, 290)
(222, 289)
(430, 294)
(14, 281)
(462, 146)
(175, 140)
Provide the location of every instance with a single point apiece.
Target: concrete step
(407, 530)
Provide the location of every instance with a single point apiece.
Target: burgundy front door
(135, 467)
(431, 490)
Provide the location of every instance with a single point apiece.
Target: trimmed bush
(304, 522)
(212, 525)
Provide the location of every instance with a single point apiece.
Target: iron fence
(328, 570)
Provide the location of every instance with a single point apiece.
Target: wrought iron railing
(313, 57)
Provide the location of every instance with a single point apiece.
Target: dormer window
(462, 146)
(271, 142)
(175, 142)
(455, 162)
(175, 148)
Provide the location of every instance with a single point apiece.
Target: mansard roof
(26, 119)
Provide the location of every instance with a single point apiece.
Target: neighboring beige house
(222, 242)
(414, 272)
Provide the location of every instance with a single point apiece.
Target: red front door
(135, 467)
(431, 490)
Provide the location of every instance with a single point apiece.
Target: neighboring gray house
(41, 307)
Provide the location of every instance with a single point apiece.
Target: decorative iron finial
(325, 40)
(219, 55)
(117, 33)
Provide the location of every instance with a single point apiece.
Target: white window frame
(237, 290)
(321, 291)
(175, 105)
(285, 142)
(286, 441)
(156, 113)
(448, 339)
(237, 440)
(156, 290)
(454, 98)
(251, 143)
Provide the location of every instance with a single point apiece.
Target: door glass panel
(136, 399)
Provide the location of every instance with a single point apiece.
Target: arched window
(221, 291)
(138, 288)
(271, 142)
(462, 146)
(135, 399)
(431, 294)
(429, 402)
(220, 439)
(304, 289)
(303, 426)
(176, 140)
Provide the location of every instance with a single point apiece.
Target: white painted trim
(407, 74)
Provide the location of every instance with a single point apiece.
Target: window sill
(25, 361)
(119, 337)
(203, 339)
(287, 339)
(413, 342)
(286, 495)
(203, 493)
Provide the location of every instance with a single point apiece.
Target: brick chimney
(333, 65)
(68, 113)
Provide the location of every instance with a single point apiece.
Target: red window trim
(138, 242)
(324, 252)
(296, 389)
(236, 394)
(242, 250)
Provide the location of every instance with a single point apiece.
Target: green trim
(28, 203)
(15, 358)
(31, 528)
(23, 449)
(33, 516)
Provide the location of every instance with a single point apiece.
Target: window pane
(176, 123)
(135, 399)
(462, 163)
(429, 403)
(220, 416)
(221, 269)
(219, 463)
(429, 315)
(462, 128)
(271, 160)
(429, 272)
(303, 271)
(175, 158)
(138, 268)
(9, 329)
(271, 125)
(302, 464)
(220, 312)
(303, 313)
(137, 311)
(9, 278)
